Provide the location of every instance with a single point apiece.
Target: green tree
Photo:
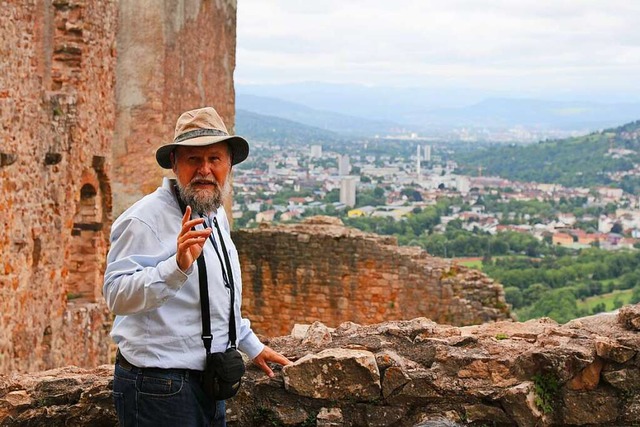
(247, 217)
(370, 197)
(332, 196)
(534, 293)
(599, 308)
(617, 302)
(558, 304)
(635, 295)
(513, 296)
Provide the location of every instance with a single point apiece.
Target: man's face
(202, 174)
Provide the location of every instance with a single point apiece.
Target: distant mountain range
(532, 114)
(358, 109)
(261, 127)
(325, 120)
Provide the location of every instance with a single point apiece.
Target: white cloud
(495, 43)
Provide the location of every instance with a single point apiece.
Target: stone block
(592, 407)
(629, 317)
(330, 417)
(611, 350)
(335, 374)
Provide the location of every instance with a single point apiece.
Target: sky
(523, 46)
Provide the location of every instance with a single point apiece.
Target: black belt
(125, 364)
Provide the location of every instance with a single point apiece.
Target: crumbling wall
(66, 108)
(173, 56)
(320, 270)
(401, 373)
(57, 115)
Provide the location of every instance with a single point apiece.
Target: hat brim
(238, 145)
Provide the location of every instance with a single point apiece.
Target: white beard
(204, 201)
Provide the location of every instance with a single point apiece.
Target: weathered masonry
(402, 373)
(320, 270)
(57, 114)
(88, 90)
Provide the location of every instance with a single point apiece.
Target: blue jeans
(163, 397)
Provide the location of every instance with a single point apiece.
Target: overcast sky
(520, 45)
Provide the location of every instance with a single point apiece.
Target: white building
(273, 168)
(567, 218)
(348, 190)
(611, 193)
(605, 224)
(427, 153)
(292, 161)
(344, 165)
(316, 151)
(463, 184)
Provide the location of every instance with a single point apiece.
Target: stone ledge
(400, 373)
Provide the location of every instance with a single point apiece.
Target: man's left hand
(270, 355)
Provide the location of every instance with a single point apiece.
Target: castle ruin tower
(173, 56)
(57, 113)
(88, 91)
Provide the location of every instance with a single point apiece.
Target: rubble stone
(629, 317)
(612, 350)
(334, 374)
(464, 382)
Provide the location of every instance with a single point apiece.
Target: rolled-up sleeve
(141, 274)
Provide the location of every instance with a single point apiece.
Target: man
(152, 283)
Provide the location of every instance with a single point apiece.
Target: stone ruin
(320, 270)
(86, 96)
(56, 115)
(400, 373)
(88, 89)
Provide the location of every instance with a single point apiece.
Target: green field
(608, 300)
(475, 263)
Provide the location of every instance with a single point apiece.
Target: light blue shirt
(157, 306)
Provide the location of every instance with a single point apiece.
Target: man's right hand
(190, 242)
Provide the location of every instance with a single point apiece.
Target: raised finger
(187, 243)
(187, 215)
(186, 226)
(190, 234)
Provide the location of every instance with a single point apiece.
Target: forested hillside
(586, 161)
(559, 286)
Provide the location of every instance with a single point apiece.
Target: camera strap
(230, 284)
(227, 277)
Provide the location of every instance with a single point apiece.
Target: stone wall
(57, 116)
(67, 107)
(401, 373)
(320, 270)
(173, 56)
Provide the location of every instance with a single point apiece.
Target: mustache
(199, 180)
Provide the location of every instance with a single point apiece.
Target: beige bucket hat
(199, 128)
